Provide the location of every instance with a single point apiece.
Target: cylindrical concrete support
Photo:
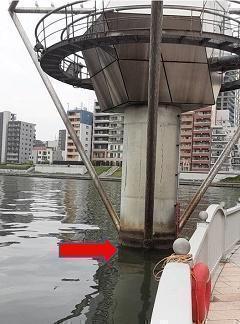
(134, 176)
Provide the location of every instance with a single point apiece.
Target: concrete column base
(136, 240)
(134, 177)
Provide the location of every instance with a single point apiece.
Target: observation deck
(83, 47)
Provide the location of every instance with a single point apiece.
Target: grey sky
(22, 91)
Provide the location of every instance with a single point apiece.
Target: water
(38, 287)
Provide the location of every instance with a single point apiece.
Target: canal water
(37, 287)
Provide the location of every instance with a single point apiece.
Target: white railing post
(173, 303)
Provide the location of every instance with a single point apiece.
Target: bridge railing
(212, 240)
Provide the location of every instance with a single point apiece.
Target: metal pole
(205, 184)
(66, 121)
(153, 94)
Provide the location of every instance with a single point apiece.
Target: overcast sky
(22, 91)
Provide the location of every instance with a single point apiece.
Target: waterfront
(38, 287)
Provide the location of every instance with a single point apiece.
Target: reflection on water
(36, 286)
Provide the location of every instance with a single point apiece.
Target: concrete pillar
(134, 176)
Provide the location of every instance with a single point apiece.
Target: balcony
(100, 135)
(202, 131)
(207, 162)
(184, 154)
(187, 117)
(100, 140)
(217, 140)
(186, 126)
(200, 154)
(101, 114)
(103, 121)
(116, 140)
(184, 140)
(186, 133)
(202, 145)
(201, 138)
(202, 123)
(185, 147)
(100, 149)
(101, 127)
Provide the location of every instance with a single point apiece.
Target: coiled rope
(159, 266)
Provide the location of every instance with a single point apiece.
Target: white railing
(214, 237)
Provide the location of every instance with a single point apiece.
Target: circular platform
(61, 41)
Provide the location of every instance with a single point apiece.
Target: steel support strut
(64, 117)
(153, 94)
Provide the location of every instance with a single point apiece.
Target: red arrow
(103, 250)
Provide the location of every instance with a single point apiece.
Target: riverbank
(195, 183)
(58, 176)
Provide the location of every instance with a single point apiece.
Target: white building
(53, 144)
(107, 143)
(81, 121)
(42, 155)
(5, 117)
(222, 132)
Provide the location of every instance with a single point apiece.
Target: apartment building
(115, 141)
(201, 153)
(62, 139)
(195, 140)
(5, 117)
(186, 141)
(230, 100)
(222, 132)
(107, 141)
(20, 140)
(42, 155)
(220, 136)
(81, 121)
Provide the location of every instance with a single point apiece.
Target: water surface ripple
(36, 286)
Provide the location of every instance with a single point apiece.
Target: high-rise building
(222, 132)
(186, 141)
(107, 142)
(195, 143)
(115, 141)
(62, 139)
(20, 140)
(220, 139)
(5, 117)
(229, 100)
(81, 121)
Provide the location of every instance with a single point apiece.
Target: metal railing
(213, 239)
(75, 21)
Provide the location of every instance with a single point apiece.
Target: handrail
(54, 11)
(213, 239)
(96, 13)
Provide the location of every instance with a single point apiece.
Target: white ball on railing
(222, 204)
(203, 215)
(181, 246)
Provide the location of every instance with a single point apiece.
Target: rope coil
(185, 258)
